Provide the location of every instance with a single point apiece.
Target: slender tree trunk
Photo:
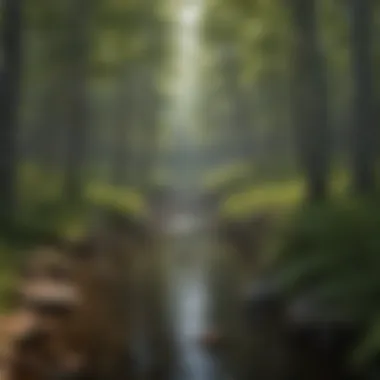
(77, 67)
(48, 128)
(155, 29)
(120, 152)
(9, 102)
(150, 125)
(230, 70)
(310, 100)
(243, 104)
(123, 128)
(364, 131)
(151, 101)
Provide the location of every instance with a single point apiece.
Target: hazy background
(270, 104)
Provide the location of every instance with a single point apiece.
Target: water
(189, 249)
(189, 243)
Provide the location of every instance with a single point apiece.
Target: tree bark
(9, 102)
(151, 103)
(77, 66)
(363, 130)
(151, 137)
(124, 126)
(310, 100)
(49, 128)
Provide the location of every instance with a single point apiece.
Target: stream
(189, 247)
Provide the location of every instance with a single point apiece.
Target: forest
(269, 107)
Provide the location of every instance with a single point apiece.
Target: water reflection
(189, 248)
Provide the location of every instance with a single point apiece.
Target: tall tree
(364, 132)
(150, 69)
(48, 145)
(46, 79)
(124, 127)
(9, 101)
(310, 99)
(237, 123)
(77, 54)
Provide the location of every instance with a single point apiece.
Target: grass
(227, 174)
(38, 187)
(122, 199)
(281, 195)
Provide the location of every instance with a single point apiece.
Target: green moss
(219, 178)
(281, 195)
(123, 199)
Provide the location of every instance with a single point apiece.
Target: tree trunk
(235, 124)
(77, 51)
(149, 123)
(121, 167)
(310, 100)
(48, 129)
(364, 132)
(155, 29)
(9, 102)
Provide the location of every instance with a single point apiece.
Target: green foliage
(276, 195)
(220, 177)
(43, 215)
(123, 200)
(332, 251)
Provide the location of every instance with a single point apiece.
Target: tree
(46, 79)
(364, 127)
(237, 121)
(49, 129)
(151, 66)
(124, 127)
(77, 55)
(9, 101)
(310, 99)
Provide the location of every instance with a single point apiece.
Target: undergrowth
(43, 214)
(332, 251)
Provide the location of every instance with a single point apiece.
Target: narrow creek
(189, 242)
(190, 246)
